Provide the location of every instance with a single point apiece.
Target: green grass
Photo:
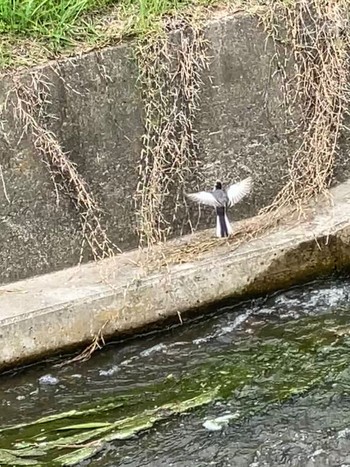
(35, 30)
(60, 20)
(54, 19)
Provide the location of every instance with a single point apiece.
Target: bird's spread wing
(203, 197)
(239, 190)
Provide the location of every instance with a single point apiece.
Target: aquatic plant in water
(280, 361)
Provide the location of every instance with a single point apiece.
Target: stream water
(276, 369)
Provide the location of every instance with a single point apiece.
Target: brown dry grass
(28, 101)
(170, 66)
(312, 36)
(317, 40)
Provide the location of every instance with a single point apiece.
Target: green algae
(279, 361)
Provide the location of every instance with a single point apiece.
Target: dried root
(316, 37)
(29, 101)
(170, 78)
(311, 40)
(97, 343)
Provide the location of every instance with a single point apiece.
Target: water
(279, 368)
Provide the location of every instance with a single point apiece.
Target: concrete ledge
(56, 311)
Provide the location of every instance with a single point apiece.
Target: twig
(3, 185)
(97, 343)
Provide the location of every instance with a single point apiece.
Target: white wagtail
(221, 199)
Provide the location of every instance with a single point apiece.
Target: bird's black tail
(223, 228)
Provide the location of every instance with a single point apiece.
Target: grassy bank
(37, 30)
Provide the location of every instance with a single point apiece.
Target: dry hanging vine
(312, 43)
(29, 101)
(316, 35)
(170, 78)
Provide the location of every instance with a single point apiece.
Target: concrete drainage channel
(57, 311)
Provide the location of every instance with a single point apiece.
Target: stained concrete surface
(55, 311)
(97, 116)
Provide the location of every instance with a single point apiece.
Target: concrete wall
(241, 130)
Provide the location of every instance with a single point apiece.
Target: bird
(221, 199)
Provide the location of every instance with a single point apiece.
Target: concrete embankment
(95, 112)
(135, 290)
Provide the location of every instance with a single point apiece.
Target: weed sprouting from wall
(316, 36)
(312, 43)
(30, 100)
(312, 50)
(170, 77)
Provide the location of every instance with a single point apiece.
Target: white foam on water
(129, 360)
(201, 340)
(218, 423)
(345, 433)
(155, 348)
(48, 380)
(110, 372)
(240, 319)
(144, 354)
(309, 301)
